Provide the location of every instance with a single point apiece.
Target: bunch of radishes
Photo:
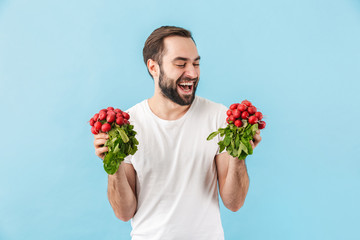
(243, 122)
(241, 113)
(121, 142)
(106, 119)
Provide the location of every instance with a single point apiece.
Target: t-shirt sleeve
(128, 159)
(221, 123)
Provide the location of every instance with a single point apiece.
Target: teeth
(186, 83)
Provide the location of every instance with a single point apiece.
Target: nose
(191, 71)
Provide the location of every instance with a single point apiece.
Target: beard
(169, 89)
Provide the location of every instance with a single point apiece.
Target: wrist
(236, 161)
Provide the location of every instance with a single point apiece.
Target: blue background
(298, 61)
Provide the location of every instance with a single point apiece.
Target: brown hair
(154, 45)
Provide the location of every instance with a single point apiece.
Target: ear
(153, 68)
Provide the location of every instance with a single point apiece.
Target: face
(179, 71)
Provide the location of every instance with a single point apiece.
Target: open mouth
(186, 87)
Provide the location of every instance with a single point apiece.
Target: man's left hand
(256, 140)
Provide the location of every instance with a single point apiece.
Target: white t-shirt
(176, 180)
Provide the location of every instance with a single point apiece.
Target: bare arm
(121, 192)
(121, 185)
(233, 178)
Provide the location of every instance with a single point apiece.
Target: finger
(101, 136)
(257, 138)
(99, 142)
(252, 144)
(257, 131)
(100, 152)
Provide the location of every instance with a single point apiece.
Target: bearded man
(169, 187)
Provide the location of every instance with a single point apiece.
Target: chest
(167, 153)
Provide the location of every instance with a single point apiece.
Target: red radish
(120, 121)
(110, 118)
(119, 115)
(117, 110)
(236, 113)
(92, 122)
(110, 108)
(97, 126)
(259, 115)
(253, 120)
(103, 110)
(228, 119)
(262, 125)
(233, 106)
(252, 110)
(229, 112)
(94, 131)
(238, 123)
(126, 121)
(111, 112)
(105, 127)
(247, 103)
(242, 107)
(102, 115)
(244, 115)
(96, 116)
(126, 115)
(232, 118)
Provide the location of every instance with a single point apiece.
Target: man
(169, 187)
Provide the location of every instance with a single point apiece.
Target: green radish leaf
(239, 153)
(135, 141)
(110, 163)
(227, 140)
(212, 135)
(221, 130)
(134, 150)
(129, 149)
(242, 156)
(243, 140)
(229, 150)
(232, 143)
(243, 147)
(222, 147)
(254, 128)
(237, 141)
(234, 152)
(107, 143)
(116, 149)
(123, 135)
(250, 149)
(108, 157)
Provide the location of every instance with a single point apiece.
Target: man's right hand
(99, 141)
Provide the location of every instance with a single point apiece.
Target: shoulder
(137, 107)
(215, 112)
(136, 112)
(209, 105)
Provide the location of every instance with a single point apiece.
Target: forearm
(121, 196)
(236, 185)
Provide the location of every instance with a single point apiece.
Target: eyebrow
(185, 59)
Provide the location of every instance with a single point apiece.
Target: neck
(166, 109)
